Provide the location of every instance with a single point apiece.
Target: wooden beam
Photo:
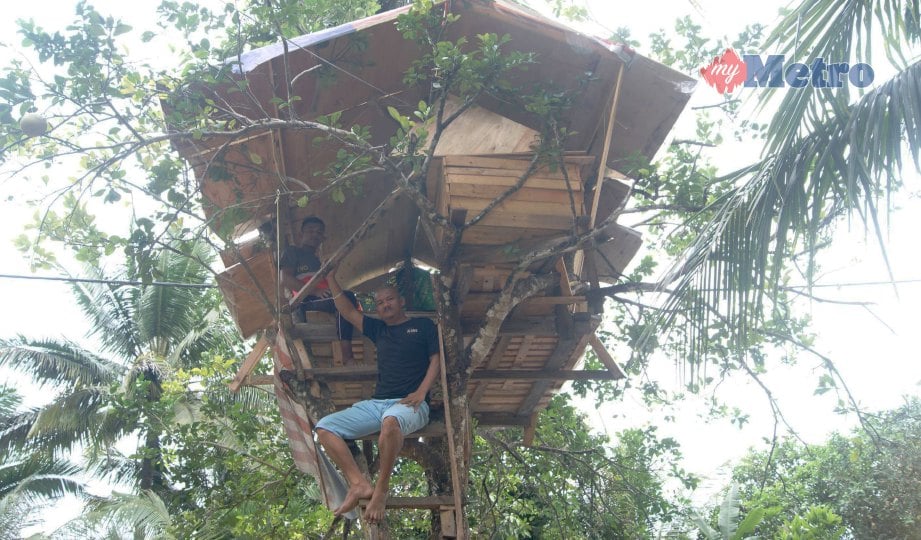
(249, 364)
(435, 428)
(606, 357)
(434, 502)
(544, 375)
(314, 331)
(361, 374)
(500, 419)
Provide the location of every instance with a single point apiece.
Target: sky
(875, 345)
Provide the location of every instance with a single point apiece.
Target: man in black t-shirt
(298, 264)
(407, 366)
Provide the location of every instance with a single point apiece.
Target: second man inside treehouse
(298, 264)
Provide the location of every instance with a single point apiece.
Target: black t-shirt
(302, 261)
(403, 352)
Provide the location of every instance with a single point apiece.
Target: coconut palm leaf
(838, 31)
(78, 416)
(28, 484)
(109, 463)
(36, 479)
(787, 203)
(110, 310)
(59, 363)
(9, 402)
(166, 315)
(122, 515)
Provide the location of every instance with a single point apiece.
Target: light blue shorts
(366, 417)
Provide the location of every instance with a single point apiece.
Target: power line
(111, 281)
(856, 284)
(210, 286)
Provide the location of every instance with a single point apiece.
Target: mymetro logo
(729, 71)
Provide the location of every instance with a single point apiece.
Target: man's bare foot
(374, 512)
(356, 492)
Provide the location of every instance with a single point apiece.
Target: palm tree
(28, 482)
(828, 154)
(100, 398)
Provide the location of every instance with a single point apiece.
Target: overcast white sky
(876, 348)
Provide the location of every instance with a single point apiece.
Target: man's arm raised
(345, 308)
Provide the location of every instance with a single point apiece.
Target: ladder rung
(433, 502)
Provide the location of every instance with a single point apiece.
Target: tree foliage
(869, 479)
(733, 238)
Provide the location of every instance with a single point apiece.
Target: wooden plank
(512, 205)
(501, 177)
(526, 221)
(605, 357)
(529, 194)
(432, 502)
(251, 302)
(435, 428)
(249, 363)
(487, 418)
(504, 163)
(448, 522)
(543, 375)
(489, 235)
(306, 361)
(323, 331)
(358, 375)
(565, 285)
(573, 157)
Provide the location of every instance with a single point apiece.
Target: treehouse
(517, 244)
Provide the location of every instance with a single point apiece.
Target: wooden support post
(249, 364)
(605, 357)
(599, 182)
(452, 450)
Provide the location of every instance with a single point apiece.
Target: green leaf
(255, 158)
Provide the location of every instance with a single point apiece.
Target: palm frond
(110, 310)
(38, 479)
(143, 515)
(9, 402)
(167, 315)
(78, 417)
(108, 463)
(838, 32)
(59, 363)
(789, 203)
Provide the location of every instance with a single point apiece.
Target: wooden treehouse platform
(479, 179)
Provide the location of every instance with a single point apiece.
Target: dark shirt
(403, 354)
(303, 264)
